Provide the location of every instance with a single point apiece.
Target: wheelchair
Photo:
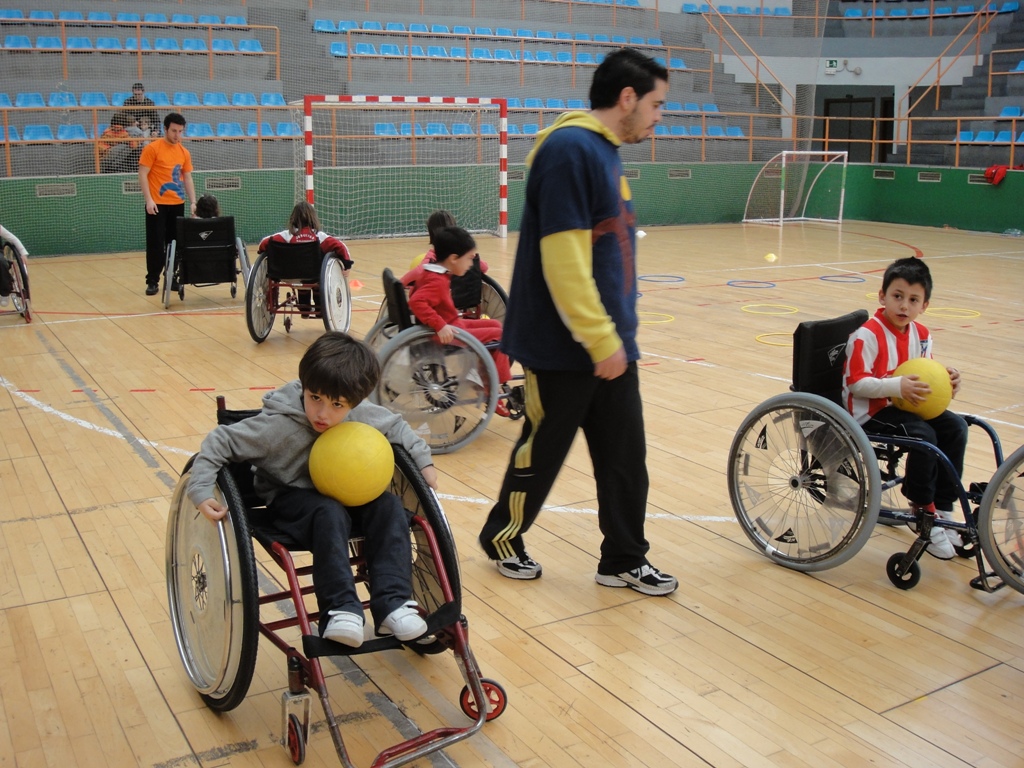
(14, 263)
(808, 484)
(446, 392)
(204, 252)
(313, 286)
(214, 599)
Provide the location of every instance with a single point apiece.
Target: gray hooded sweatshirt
(278, 440)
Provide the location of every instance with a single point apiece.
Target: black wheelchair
(296, 278)
(204, 252)
(213, 592)
(446, 392)
(808, 485)
(14, 275)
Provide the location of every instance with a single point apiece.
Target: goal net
(798, 186)
(378, 166)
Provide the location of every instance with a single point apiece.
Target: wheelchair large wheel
(446, 392)
(1001, 521)
(259, 316)
(493, 299)
(19, 280)
(427, 570)
(213, 595)
(380, 334)
(169, 273)
(335, 299)
(804, 482)
(244, 265)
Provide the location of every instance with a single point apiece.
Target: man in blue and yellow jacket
(571, 322)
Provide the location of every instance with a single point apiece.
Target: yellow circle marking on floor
(668, 318)
(952, 312)
(756, 309)
(763, 339)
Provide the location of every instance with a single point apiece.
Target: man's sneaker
(345, 628)
(953, 535)
(517, 567)
(404, 622)
(940, 545)
(646, 579)
(152, 289)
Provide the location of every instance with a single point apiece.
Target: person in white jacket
(336, 374)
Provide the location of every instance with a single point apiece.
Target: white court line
(588, 511)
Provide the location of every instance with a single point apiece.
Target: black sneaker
(517, 567)
(646, 579)
(152, 289)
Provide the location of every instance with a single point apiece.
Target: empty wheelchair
(204, 252)
(14, 275)
(215, 606)
(296, 279)
(807, 484)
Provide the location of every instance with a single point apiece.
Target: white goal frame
(803, 158)
(500, 193)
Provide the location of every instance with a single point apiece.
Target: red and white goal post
(378, 166)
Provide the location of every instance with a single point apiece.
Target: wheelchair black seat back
(214, 597)
(204, 252)
(296, 278)
(807, 484)
(396, 301)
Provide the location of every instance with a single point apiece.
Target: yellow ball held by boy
(352, 462)
(935, 375)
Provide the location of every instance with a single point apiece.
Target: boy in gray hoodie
(335, 375)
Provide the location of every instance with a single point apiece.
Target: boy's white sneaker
(404, 622)
(345, 628)
(954, 536)
(940, 545)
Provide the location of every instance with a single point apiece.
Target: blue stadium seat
(416, 50)
(29, 100)
(1004, 137)
(407, 129)
(339, 49)
(365, 49)
(513, 129)
(5, 101)
(530, 128)
(271, 99)
(895, 13)
(965, 136)
(585, 57)
(265, 129)
(250, 46)
(521, 32)
(678, 130)
(985, 137)
(41, 15)
(575, 104)
(37, 133)
(79, 44)
(17, 42)
(288, 129)
(154, 18)
(635, 40)
(503, 32)
(716, 131)
(374, 26)
(193, 44)
(691, 106)
(208, 18)
(561, 35)
(513, 102)
(183, 18)
(781, 10)
(461, 29)
(185, 99)
(457, 52)
(709, 107)
(545, 56)
(384, 129)
(919, 12)
(1020, 139)
(394, 26)
(108, 44)
(117, 98)
(943, 10)
(238, 21)
(198, 130)
(483, 31)
(100, 16)
(582, 36)
(1020, 66)
(11, 13)
(545, 34)
(243, 99)
(418, 27)
(661, 130)
(1010, 112)
(215, 99)
(128, 18)
(853, 13)
(437, 51)
(160, 98)
(734, 131)
(602, 38)
(486, 129)
(72, 133)
(230, 131)
(533, 103)
(222, 45)
(12, 134)
(166, 44)
(48, 43)
(347, 25)
(676, 63)
(62, 99)
(527, 55)
(390, 49)
(71, 16)
(504, 54)
(461, 129)
(554, 104)
(439, 29)
(324, 25)
(696, 130)
(673, 106)
(94, 99)
(483, 53)
(132, 44)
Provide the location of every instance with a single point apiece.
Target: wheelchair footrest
(314, 646)
(981, 582)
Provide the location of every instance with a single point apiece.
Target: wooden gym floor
(105, 395)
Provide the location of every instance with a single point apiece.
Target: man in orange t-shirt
(165, 175)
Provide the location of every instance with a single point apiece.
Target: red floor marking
(142, 390)
(253, 389)
(202, 389)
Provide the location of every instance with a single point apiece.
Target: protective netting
(799, 186)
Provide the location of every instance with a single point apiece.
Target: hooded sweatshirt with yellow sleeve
(573, 295)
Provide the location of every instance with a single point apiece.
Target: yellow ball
(352, 462)
(416, 262)
(932, 373)
(770, 257)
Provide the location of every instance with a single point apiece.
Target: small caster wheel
(181, 293)
(288, 324)
(234, 290)
(296, 740)
(907, 580)
(497, 700)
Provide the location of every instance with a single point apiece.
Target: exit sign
(831, 66)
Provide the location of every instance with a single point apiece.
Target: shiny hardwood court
(105, 395)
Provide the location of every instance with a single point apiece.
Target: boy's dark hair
(626, 68)
(174, 118)
(437, 221)
(207, 207)
(452, 241)
(337, 366)
(911, 269)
